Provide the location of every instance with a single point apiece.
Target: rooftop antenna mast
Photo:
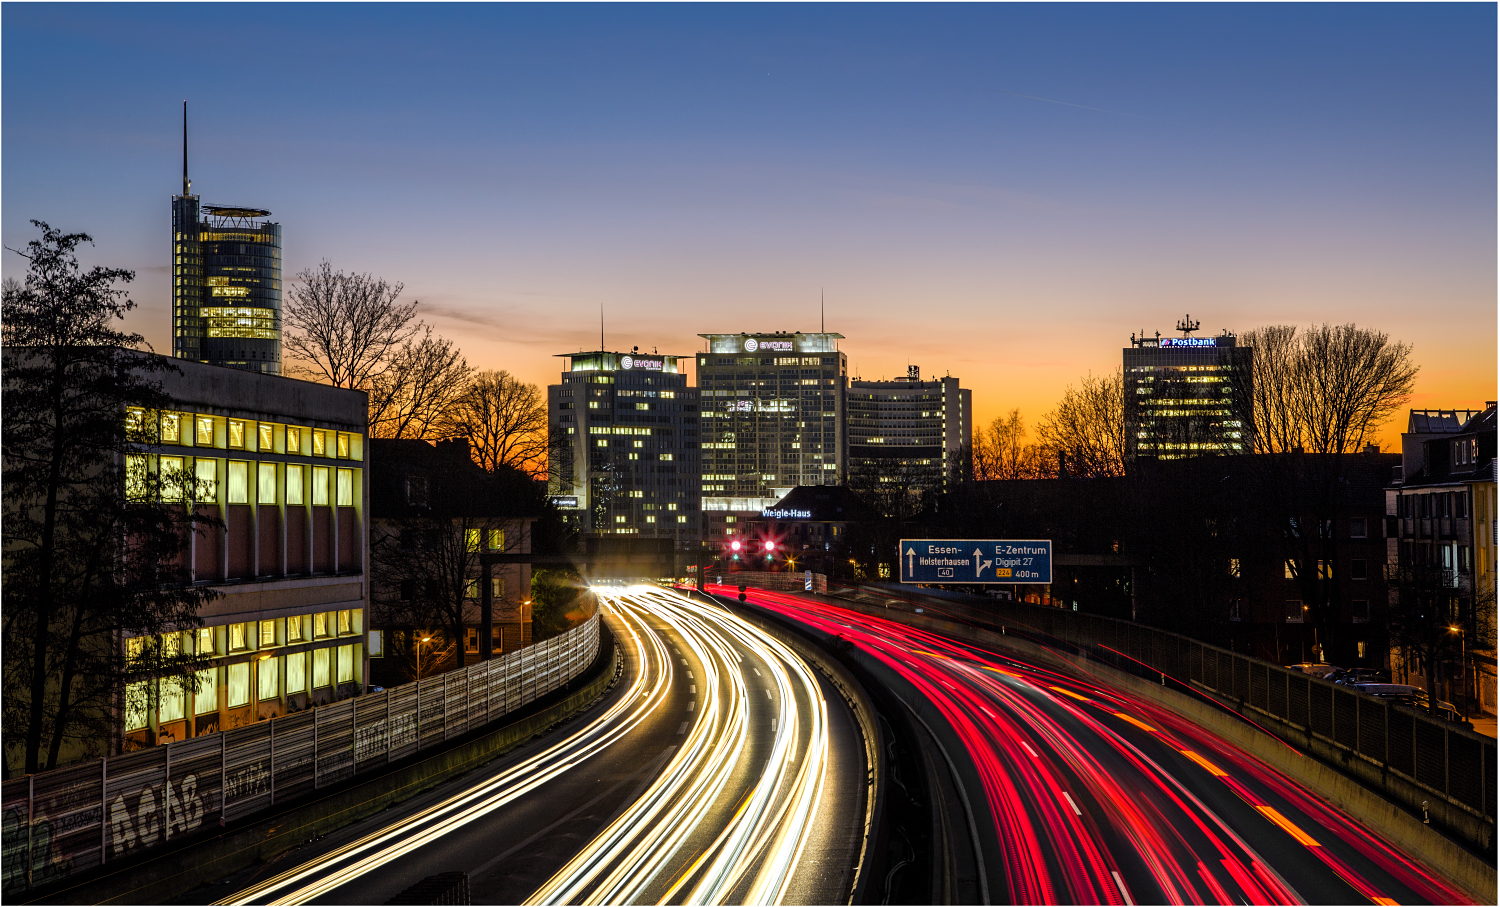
(822, 327)
(187, 184)
(601, 327)
(1187, 325)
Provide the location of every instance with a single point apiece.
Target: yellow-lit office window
(207, 698)
(320, 443)
(171, 428)
(497, 539)
(346, 664)
(207, 642)
(343, 446)
(346, 488)
(267, 437)
(237, 434)
(320, 625)
(136, 697)
(239, 638)
(346, 625)
(172, 702)
(296, 673)
(320, 667)
(173, 478)
(137, 477)
(471, 590)
(238, 490)
(294, 630)
(238, 676)
(205, 431)
(320, 486)
(267, 634)
(207, 473)
(293, 481)
(268, 672)
(471, 540)
(266, 485)
(293, 440)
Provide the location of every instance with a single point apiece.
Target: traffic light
(734, 549)
(770, 549)
(742, 594)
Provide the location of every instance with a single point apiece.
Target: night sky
(1003, 193)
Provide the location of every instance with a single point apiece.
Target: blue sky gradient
(710, 168)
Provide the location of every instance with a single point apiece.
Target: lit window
(239, 482)
(320, 667)
(320, 486)
(471, 540)
(171, 428)
(136, 696)
(137, 477)
(471, 590)
(293, 483)
(267, 441)
(346, 664)
(172, 478)
(236, 434)
(471, 639)
(320, 624)
(296, 673)
(267, 634)
(206, 638)
(239, 684)
(205, 431)
(267, 483)
(320, 444)
(207, 472)
(268, 670)
(293, 440)
(343, 446)
(1291, 569)
(346, 488)
(172, 704)
(237, 638)
(345, 627)
(207, 698)
(294, 629)
(497, 539)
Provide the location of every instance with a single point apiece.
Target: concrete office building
(914, 429)
(773, 419)
(1186, 396)
(226, 281)
(284, 462)
(624, 435)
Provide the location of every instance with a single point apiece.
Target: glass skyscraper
(226, 282)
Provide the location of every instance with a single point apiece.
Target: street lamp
(1463, 663)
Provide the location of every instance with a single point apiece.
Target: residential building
(773, 419)
(1440, 511)
(1186, 396)
(283, 463)
(433, 513)
(909, 429)
(226, 281)
(625, 439)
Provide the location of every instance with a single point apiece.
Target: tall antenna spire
(822, 328)
(187, 184)
(601, 327)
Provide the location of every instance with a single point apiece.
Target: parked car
(1314, 668)
(1352, 676)
(1391, 689)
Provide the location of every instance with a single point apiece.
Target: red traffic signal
(770, 545)
(734, 545)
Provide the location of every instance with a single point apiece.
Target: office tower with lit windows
(773, 417)
(909, 430)
(1186, 396)
(226, 282)
(624, 439)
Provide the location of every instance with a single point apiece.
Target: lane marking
(773, 724)
(1121, 883)
(684, 661)
(768, 694)
(1135, 721)
(691, 704)
(1070, 693)
(693, 688)
(757, 671)
(1209, 766)
(1030, 750)
(1076, 810)
(682, 728)
(1302, 837)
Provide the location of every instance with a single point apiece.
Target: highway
(1082, 794)
(715, 772)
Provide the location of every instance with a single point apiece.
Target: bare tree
(415, 393)
(346, 327)
(505, 420)
(1318, 395)
(1001, 451)
(1085, 434)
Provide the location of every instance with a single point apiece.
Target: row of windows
(244, 434)
(272, 483)
(249, 636)
(277, 676)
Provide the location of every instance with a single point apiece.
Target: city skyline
(1001, 194)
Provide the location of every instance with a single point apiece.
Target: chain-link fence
(82, 816)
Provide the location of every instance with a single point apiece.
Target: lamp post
(1463, 664)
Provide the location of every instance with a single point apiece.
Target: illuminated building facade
(909, 429)
(226, 282)
(773, 419)
(1186, 396)
(624, 435)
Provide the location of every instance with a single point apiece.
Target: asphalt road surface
(720, 770)
(1084, 794)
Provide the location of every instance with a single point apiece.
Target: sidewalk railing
(76, 818)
